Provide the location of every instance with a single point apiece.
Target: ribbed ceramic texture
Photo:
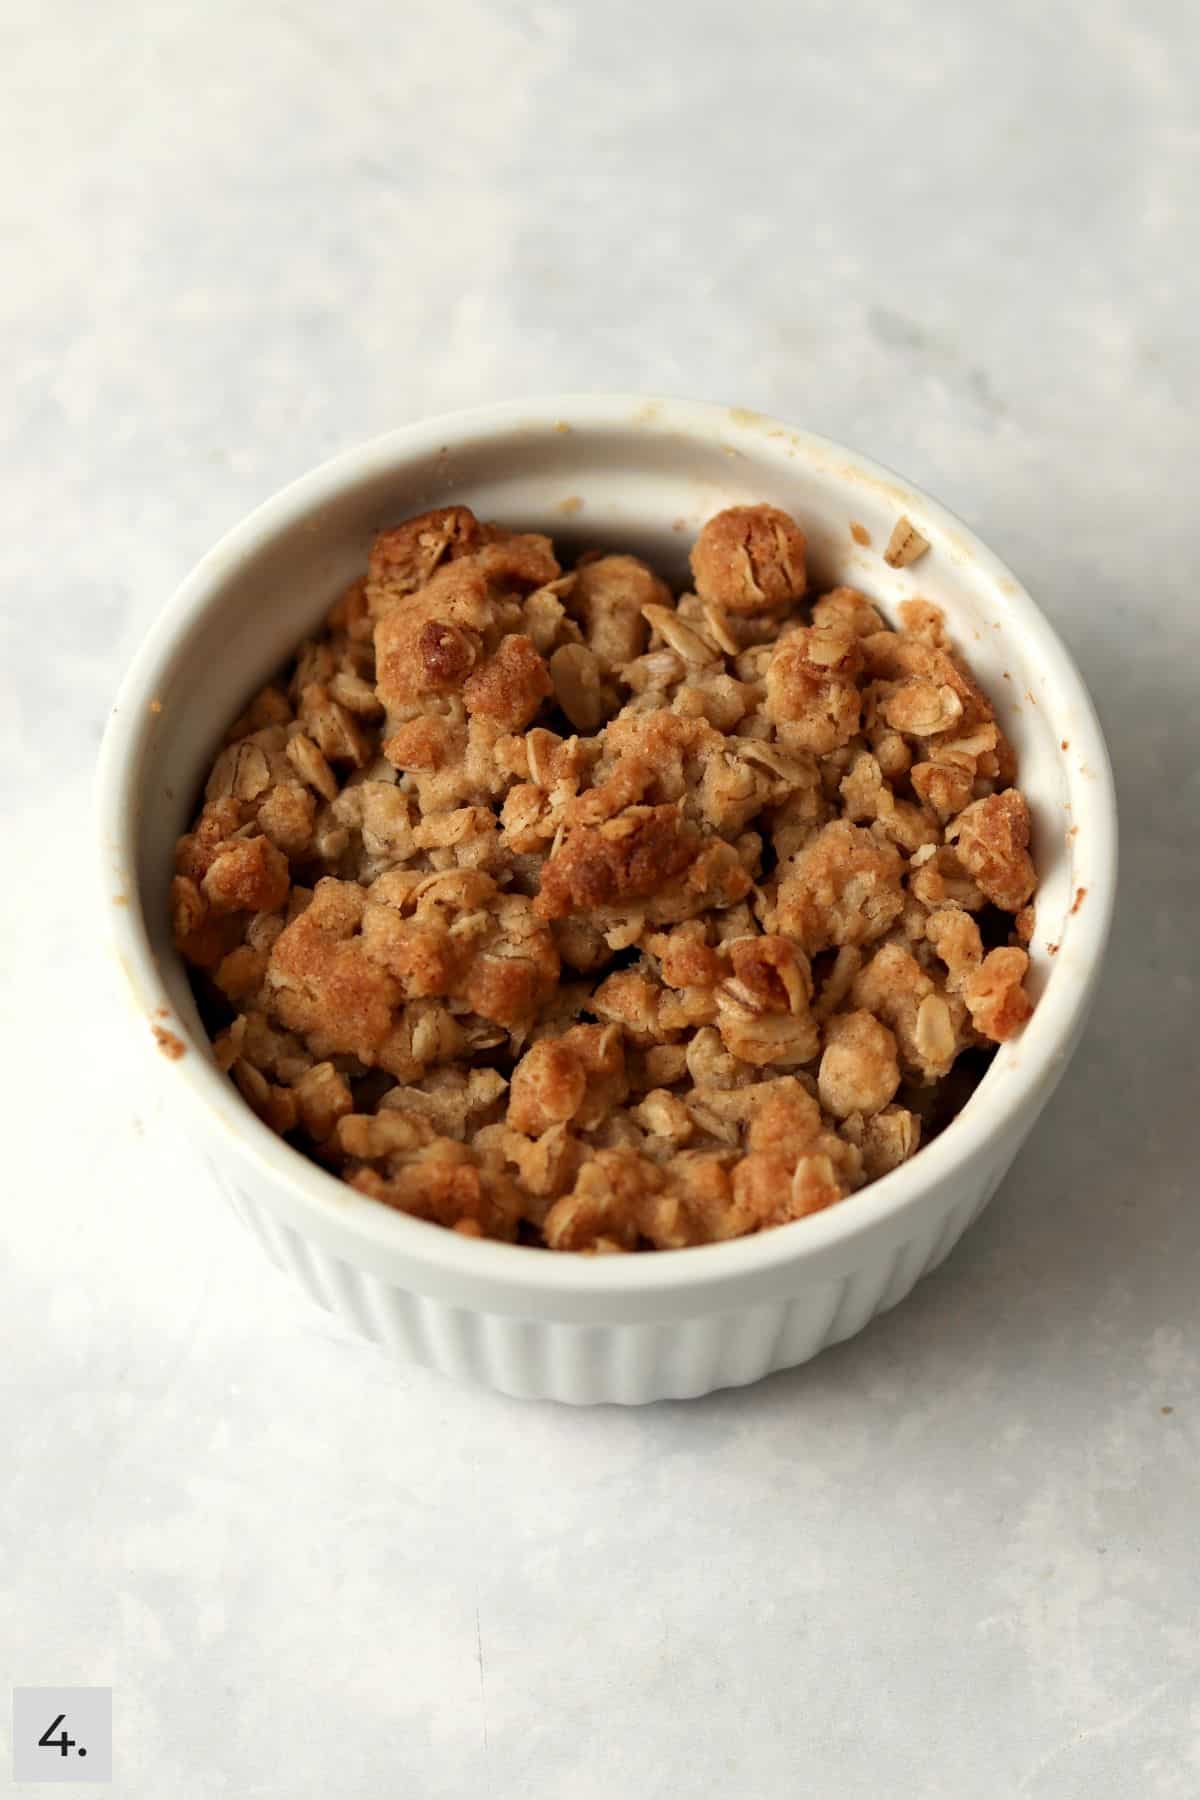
(629, 1364)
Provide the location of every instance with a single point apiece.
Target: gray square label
(62, 1734)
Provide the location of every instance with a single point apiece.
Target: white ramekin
(639, 474)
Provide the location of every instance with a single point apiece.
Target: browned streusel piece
(992, 838)
(991, 985)
(844, 887)
(428, 648)
(812, 694)
(859, 1070)
(404, 559)
(608, 599)
(845, 605)
(443, 1185)
(750, 558)
(762, 839)
(928, 1020)
(627, 858)
(756, 989)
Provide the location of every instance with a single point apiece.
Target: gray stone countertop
(955, 1557)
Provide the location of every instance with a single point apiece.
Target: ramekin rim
(1045, 1040)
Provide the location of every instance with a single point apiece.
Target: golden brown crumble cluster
(554, 907)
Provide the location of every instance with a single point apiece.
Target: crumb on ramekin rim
(551, 906)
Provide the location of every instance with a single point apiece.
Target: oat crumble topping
(551, 906)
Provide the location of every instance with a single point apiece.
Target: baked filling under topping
(550, 906)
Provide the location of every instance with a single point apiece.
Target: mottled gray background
(954, 1558)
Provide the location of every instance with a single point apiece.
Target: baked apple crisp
(549, 905)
